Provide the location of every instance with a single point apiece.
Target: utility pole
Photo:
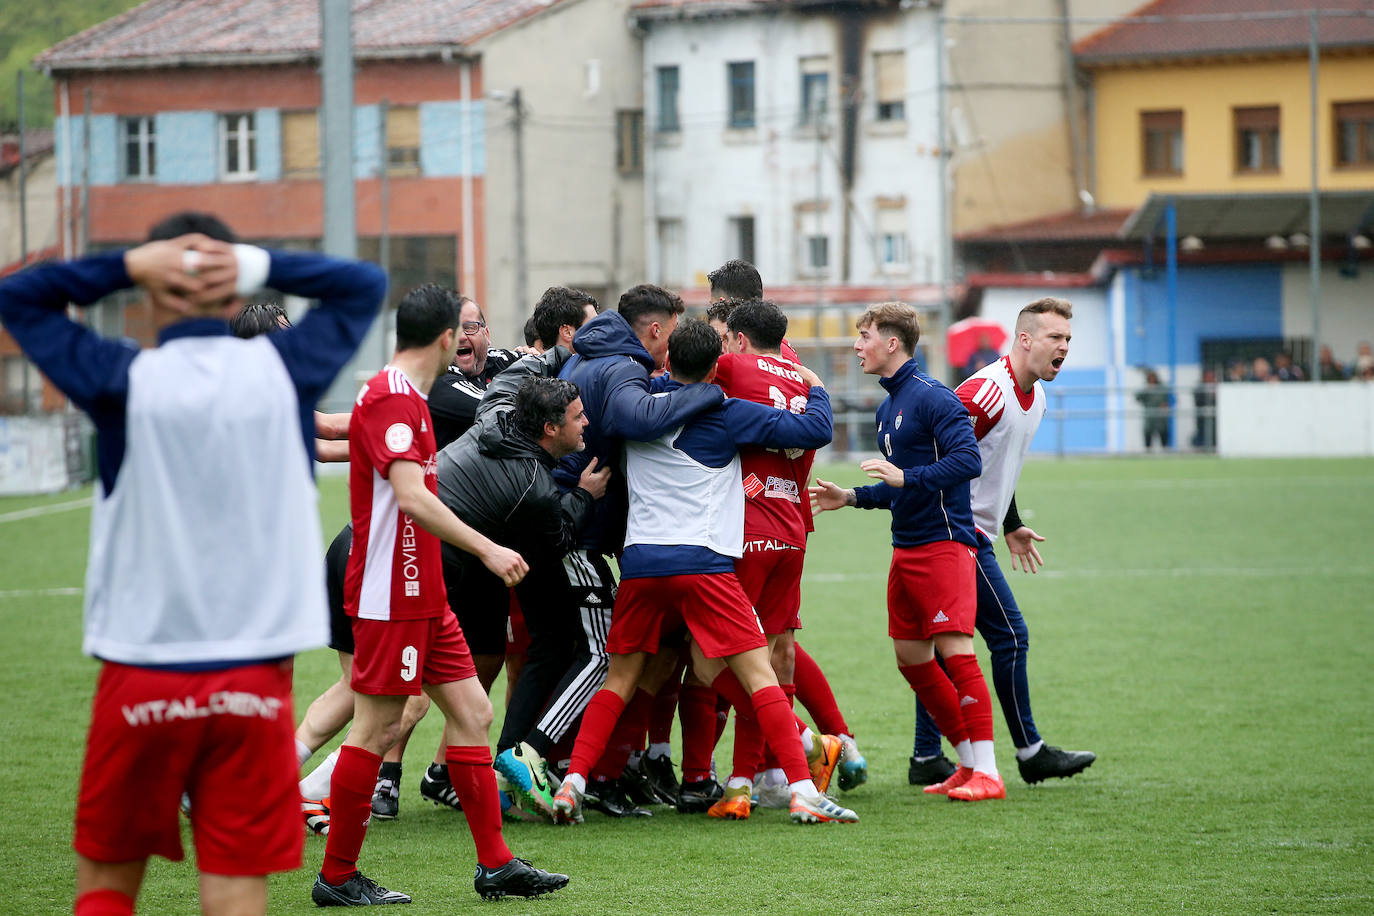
(23, 179)
(521, 263)
(384, 191)
(340, 232)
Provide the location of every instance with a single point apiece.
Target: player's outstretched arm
(826, 496)
(1021, 543)
(631, 412)
(414, 499)
(762, 424)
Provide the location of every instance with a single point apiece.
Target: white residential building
(800, 137)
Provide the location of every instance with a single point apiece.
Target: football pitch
(1205, 626)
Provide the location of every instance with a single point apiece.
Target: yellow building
(1185, 100)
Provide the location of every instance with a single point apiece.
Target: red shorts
(223, 737)
(714, 607)
(931, 589)
(394, 658)
(517, 637)
(770, 573)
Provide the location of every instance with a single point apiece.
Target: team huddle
(488, 491)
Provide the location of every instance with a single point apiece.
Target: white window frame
(245, 141)
(147, 148)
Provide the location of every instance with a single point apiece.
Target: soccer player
(930, 457)
(776, 521)
(405, 636)
(685, 530)
(615, 353)
(194, 693)
(1005, 401)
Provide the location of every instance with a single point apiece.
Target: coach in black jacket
(498, 478)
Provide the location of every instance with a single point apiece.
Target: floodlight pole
(1171, 283)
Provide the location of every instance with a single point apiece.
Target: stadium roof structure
(1071, 225)
(171, 33)
(1253, 216)
(1166, 30)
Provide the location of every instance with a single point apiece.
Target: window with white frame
(889, 72)
(894, 244)
(814, 243)
(140, 148)
(238, 146)
(815, 88)
(672, 253)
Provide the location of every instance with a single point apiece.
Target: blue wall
(188, 144)
(1084, 429)
(1214, 301)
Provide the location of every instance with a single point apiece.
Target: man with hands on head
(930, 457)
(194, 694)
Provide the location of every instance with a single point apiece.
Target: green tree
(26, 30)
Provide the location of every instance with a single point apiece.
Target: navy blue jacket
(612, 369)
(712, 438)
(923, 429)
(94, 371)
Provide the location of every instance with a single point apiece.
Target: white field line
(50, 509)
(40, 592)
(1207, 483)
(1177, 572)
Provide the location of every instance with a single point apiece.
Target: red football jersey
(394, 567)
(776, 504)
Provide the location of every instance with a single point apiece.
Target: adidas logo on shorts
(939, 617)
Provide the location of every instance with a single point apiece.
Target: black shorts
(335, 567)
(479, 599)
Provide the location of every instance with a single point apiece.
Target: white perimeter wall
(1272, 420)
(1347, 307)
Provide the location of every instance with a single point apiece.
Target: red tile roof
(1060, 227)
(170, 32)
(1182, 29)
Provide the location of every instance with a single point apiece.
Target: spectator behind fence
(1286, 370)
(1205, 402)
(1262, 371)
(1156, 400)
(1363, 367)
(1328, 370)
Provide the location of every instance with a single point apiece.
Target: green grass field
(1206, 626)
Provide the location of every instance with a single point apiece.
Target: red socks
(937, 694)
(598, 720)
(749, 745)
(627, 734)
(779, 727)
(968, 681)
(474, 781)
(350, 808)
(696, 708)
(813, 690)
(104, 902)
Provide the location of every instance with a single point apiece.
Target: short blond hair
(1029, 318)
(896, 319)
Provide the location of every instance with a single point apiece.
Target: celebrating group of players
(487, 490)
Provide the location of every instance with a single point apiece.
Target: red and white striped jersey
(1004, 420)
(776, 505)
(394, 567)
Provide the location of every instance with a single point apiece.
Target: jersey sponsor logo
(753, 486)
(410, 559)
(766, 544)
(399, 436)
(781, 488)
(939, 617)
(221, 703)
